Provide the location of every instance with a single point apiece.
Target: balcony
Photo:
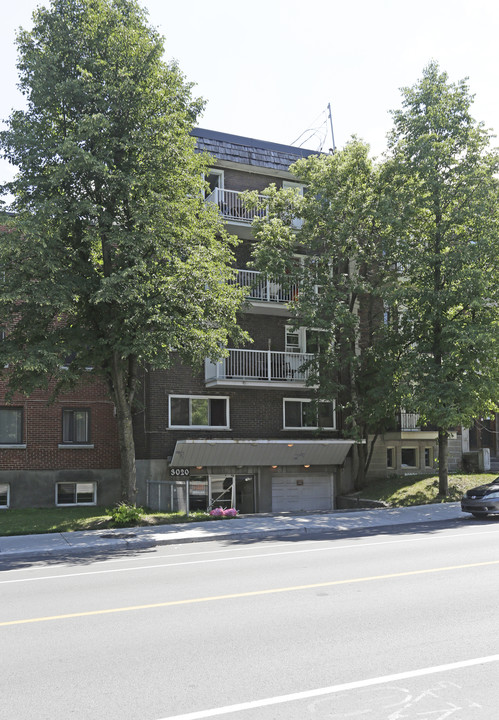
(231, 205)
(258, 368)
(409, 421)
(260, 288)
(408, 427)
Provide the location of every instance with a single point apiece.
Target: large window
(303, 340)
(4, 496)
(408, 457)
(76, 427)
(308, 414)
(11, 426)
(76, 493)
(199, 411)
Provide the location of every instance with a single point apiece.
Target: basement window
(76, 493)
(4, 496)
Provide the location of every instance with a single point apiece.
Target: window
(4, 495)
(215, 179)
(302, 340)
(428, 453)
(11, 426)
(76, 493)
(307, 414)
(408, 457)
(76, 427)
(199, 411)
(390, 457)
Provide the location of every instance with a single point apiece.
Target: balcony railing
(265, 366)
(231, 205)
(263, 289)
(409, 421)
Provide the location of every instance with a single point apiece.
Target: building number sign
(179, 472)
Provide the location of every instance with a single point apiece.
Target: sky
(268, 69)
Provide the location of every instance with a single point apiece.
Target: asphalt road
(380, 626)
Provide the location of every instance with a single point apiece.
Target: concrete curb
(247, 528)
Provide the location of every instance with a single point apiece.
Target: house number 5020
(179, 472)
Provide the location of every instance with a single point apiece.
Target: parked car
(482, 500)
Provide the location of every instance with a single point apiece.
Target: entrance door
(222, 491)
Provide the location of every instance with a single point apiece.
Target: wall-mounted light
(273, 467)
(306, 466)
(199, 467)
(290, 444)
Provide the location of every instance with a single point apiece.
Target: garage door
(301, 493)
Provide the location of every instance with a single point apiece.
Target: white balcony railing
(259, 365)
(231, 205)
(263, 289)
(409, 421)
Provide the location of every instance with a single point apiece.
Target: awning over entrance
(195, 453)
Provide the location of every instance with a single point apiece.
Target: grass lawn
(394, 491)
(422, 489)
(47, 520)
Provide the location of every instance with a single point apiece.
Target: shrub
(123, 515)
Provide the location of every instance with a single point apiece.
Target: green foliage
(399, 491)
(341, 275)
(124, 515)
(445, 240)
(114, 259)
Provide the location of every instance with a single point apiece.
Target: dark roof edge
(252, 142)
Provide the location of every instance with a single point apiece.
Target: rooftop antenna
(333, 149)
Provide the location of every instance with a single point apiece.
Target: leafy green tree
(335, 255)
(114, 260)
(445, 241)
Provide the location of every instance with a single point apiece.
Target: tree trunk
(360, 477)
(443, 462)
(123, 401)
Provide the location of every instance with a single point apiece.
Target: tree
(342, 276)
(445, 240)
(115, 261)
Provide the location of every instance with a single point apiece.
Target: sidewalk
(243, 529)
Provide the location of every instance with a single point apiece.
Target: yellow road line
(253, 593)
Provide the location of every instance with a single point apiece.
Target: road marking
(202, 561)
(307, 694)
(250, 593)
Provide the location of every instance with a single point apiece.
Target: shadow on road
(134, 548)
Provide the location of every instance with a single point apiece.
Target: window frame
(190, 426)
(221, 175)
(7, 495)
(308, 427)
(416, 457)
(78, 443)
(394, 457)
(76, 483)
(18, 443)
(301, 333)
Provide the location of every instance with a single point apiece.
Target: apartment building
(244, 431)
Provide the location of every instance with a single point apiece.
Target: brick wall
(254, 412)
(42, 431)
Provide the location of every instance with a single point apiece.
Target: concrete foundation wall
(36, 488)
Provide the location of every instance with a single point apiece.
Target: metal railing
(265, 289)
(259, 365)
(232, 207)
(409, 421)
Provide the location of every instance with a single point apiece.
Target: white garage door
(301, 493)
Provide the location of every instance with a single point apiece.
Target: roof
(202, 452)
(249, 151)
